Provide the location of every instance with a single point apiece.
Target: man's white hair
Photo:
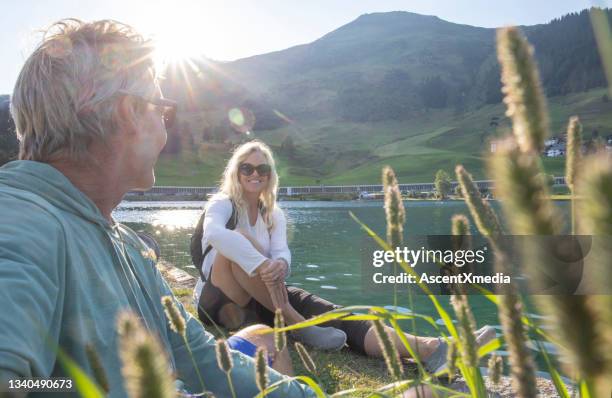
(66, 94)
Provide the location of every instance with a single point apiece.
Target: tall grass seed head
(177, 322)
(574, 151)
(496, 369)
(394, 208)
(224, 358)
(280, 338)
(523, 94)
(261, 369)
(146, 369)
(305, 358)
(521, 184)
(486, 220)
(466, 325)
(388, 349)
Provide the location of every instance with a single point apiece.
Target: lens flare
(241, 119)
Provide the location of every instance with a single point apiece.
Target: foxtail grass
(261, 369)
(388, 349)
(224, 359)
(97, 369)
(485, 218)
(178, 325)
(176, 320)
(460, 225)
(496, 369)
(531, 212)
(460, 240)
(145, 365)
(521, 183)
(523, 94)
(595, 211)
(466, 326)
(225, 363)
(394, 208)
(280, 338)
(574, 151)
(396, 217)
(572, 162)
(306, 358)
(596, 195)
(509, 303)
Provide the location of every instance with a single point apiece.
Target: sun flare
(178, 34)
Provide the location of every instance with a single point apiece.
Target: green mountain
(413, 91)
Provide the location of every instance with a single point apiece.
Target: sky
(232, 29)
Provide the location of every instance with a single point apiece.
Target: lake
(325, 244)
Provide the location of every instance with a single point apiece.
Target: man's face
(146, 144)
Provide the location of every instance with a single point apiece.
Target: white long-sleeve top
(234, 246)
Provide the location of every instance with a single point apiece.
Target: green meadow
(332, 152)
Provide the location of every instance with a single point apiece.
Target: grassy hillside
(334, 152)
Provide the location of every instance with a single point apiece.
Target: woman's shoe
(484, 335)
(328, 338)
(437, 361)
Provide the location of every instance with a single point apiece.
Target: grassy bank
(337, 371)
(335, 152)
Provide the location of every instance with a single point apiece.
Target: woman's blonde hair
(65, 95)
(230, 182)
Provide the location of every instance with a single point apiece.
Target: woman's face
(255, 182)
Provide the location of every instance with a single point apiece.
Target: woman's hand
(273, 271)
(278, 295)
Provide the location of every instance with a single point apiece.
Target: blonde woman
(247, 261)
(245, 267)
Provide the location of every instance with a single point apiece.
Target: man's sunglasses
(246, 169)
(168, 106)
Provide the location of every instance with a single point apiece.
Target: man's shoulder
(21, 206)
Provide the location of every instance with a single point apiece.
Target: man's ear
(125, 115)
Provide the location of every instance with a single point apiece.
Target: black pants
(307, 304)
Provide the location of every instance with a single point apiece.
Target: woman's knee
(260, 335)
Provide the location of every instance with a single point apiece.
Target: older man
(90, 119)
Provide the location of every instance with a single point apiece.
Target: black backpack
(197, 255)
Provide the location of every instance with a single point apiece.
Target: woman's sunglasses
(168, 106)
(246, 169)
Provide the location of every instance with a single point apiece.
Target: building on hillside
(551, 141)
(555, 150)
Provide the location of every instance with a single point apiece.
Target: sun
(178, 33)
(176, 46)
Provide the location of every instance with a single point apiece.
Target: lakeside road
(312, 197)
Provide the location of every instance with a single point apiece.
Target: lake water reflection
(325, 244)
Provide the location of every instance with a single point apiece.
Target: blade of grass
(554, 374)
(305, 379)
(601, 28)
(473, 377)
(489, 347)
(86, 387)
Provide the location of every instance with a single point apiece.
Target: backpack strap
(197, 254)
